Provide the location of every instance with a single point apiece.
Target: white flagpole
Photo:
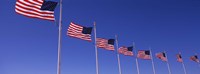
(167, 63)
(183, 64)
(96, 51)
(184, 68)
(136, 60)
(152, 61)
(59, 39)
(118, 58)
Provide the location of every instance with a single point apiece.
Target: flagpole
(59, 40)
(184, 68)
(183, 65)
(96, 51)
(167, 63)
(152, 61)
(136, 60)
(118, 58)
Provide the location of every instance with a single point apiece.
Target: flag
(194, 58)
(161, 56)
(129, 52)
(80, 32)
(179, 58)
(36, 9)
(126, 50)
(144, 54)
(122, 50)
(107, 44)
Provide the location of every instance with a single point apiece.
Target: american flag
(194, 58)
(126, 50)
(179, 58)
(122, 50)
(80, 32)
(144, 54)
(129, 52)
(36, 9)
(161, 56)
(107, 44)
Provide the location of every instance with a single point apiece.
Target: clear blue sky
(29, 46)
